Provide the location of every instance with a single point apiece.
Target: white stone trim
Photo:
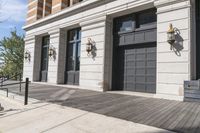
(93, 21)
(161, 3)
(173, 9)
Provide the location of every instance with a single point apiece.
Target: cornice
(161, 3)
(68, 10)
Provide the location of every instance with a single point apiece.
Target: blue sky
(13, 14)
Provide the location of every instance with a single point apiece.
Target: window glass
(45, 47)
(72, 35)
(124, 24)
(71, 57)
(78, 56)
(44, 59)
(79, 35)
(146, 18)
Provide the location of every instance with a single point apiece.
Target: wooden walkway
(183, 117)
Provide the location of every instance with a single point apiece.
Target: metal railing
(14, 76)
(20, 86)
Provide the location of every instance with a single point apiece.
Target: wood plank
(188, 126)
(173, 116)
(159, 114)
(140, 117)
(131, 109)
(165, 115)
(195, 127)
(185, 119)
(119, 106)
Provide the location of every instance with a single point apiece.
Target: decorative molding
(95, 20)
(161, 3)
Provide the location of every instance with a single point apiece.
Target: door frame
(197, 32)
(47, 64)
(150, 26)
(76, 41)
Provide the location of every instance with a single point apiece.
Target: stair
(192, 91)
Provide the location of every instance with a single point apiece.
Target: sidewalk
(50, 118)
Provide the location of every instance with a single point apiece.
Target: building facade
(107, 45)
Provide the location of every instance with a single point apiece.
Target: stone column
(108, 54)
(37, 58)
(62, 49)
(57, 62)
(173, 65)
(28, 64)
(92, 66)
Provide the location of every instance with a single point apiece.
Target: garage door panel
(140, 50)
(140, 63)
(130, 72)
(151, 56)
(151, 88)
(140, 79)
(140, 56)
(150, 79)
(130, 63)
(137, 68)
(150, 71)
(130, 57)
(139, 87)
(151, 64)
(140, 71)
(151, 50)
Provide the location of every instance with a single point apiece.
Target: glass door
(44, 59)
(73, 57)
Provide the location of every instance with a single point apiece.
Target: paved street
(171, 115)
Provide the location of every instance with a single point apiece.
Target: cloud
(13, 10)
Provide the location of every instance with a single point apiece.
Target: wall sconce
(51, 51)
(89, 46)
(171, 35)
(27, 55)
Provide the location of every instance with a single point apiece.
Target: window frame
(75, 42)
(135, 22)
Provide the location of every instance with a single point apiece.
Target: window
(73, 50)
(130, 22)
(125, 23)
(146, 18)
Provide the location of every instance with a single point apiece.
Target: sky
(13, 14)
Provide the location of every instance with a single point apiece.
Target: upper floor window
(125, 23)
(146, 18)
(134, 21)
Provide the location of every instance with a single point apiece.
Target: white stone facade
(95, 17)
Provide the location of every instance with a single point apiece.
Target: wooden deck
(183, 117)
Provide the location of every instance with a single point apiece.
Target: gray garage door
(136, 68)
